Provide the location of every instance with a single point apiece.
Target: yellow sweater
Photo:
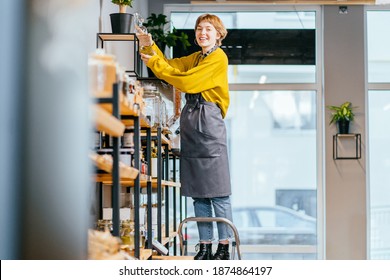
(194, 74)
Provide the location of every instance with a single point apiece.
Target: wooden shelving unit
(113, 113)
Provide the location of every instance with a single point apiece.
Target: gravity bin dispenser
(162, 104)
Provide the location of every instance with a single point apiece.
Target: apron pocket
(210, 122)
(202, 146)
(202, 132)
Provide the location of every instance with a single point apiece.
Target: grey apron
(204, 166)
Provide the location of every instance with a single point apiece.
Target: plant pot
(121, 23)
(343, 127)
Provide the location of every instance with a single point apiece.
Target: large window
(378, 47)
(264, 47)
(272, 141)
(272, 127)
(378, 61)
(379, 160)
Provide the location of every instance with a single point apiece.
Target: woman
(204, 169)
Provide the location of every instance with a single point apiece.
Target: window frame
(317, 86)
(373, 86)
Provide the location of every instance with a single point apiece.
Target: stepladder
(235, 241)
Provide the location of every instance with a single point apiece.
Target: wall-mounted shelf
(132, 39)
(352, 146)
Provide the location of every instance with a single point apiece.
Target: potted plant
(342, 116)
(162, 36)
(121, 22)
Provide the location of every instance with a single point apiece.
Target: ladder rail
(210, 219)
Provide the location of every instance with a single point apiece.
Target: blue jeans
(203, 207)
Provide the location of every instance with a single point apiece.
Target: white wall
(157, 6)
(345, 179)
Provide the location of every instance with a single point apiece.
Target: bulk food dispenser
(162, 103)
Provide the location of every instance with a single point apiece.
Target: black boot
(222, 252)
(205, 252)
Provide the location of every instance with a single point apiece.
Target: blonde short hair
(216, 22)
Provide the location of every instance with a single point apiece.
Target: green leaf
(156, 25)
(123, 2)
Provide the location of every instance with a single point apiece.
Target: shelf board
(116, 37)
(144, 254)
(125, 172)
(164, 139)
(107, 179)
(107, 122)
(165, 183)
(347, 135)
(144, 121)
(126, 107)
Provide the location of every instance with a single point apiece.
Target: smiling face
(206, 35)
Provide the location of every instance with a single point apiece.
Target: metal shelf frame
(131, 37)
(358, 146)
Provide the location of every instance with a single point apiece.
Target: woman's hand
(145, 58)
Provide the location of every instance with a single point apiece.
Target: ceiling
(291, 2)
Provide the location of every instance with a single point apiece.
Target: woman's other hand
(145, 58)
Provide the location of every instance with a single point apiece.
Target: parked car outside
(267, 225)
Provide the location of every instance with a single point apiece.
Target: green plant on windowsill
(341, 116)
(162, 36)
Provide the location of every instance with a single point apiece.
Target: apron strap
(193, 100)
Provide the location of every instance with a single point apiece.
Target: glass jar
(153, 101)
(128, 137)
(127, 233)
(104, 225)
(146, 50)
(102, 70)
